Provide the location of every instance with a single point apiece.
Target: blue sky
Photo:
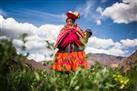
(19, 9)
(94, 14)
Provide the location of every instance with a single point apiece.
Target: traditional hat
(73, 15)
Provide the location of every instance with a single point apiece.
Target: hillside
(129, 62)
(105, 59)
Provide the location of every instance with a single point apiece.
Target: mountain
(125, 63)
(108, 60)
(32, 63)
(129, 63)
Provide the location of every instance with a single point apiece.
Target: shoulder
(64, 28)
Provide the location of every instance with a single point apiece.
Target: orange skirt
(70, 61)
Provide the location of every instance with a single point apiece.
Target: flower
(122, 81)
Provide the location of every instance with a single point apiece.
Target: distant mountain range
(124, 63)
(109, 60)
(129, 63)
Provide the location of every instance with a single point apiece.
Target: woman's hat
(73, 15)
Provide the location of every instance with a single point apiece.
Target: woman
(71, 43)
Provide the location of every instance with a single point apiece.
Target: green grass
(17, 77)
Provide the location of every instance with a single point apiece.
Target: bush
(15, 76)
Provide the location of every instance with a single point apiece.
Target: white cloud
(124, 12)
(129, 43)
(3, 37)
(37, 36)
(108, 46)
(100, 17)
(31, 45)
(89, 13)
(17, 43)
(40, 17)
(111, 51)
(44, 15)
(100, 43)
(49, 31)
(37, 57)
(85, 10)
(99, 10)
(98, 22)
(117, 52)
(14, 29)
(36, 39)
(35, 45)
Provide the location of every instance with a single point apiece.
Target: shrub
(15, 76)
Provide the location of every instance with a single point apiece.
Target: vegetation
(15, 76)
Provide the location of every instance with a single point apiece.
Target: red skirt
(65, 61)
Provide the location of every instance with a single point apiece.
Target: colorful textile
(70, 56)
(70, 61)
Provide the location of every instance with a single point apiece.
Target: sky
(113, 23)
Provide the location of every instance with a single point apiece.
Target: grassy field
(15, 76)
